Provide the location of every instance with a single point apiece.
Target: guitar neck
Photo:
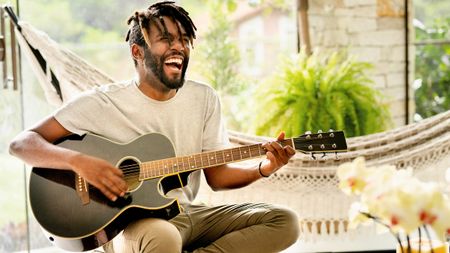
(175, 165)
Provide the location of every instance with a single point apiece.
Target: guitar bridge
(82, 189)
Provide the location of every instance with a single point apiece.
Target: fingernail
(114, 198)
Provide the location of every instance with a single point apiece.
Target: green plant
(220, 52)
(432, 71)
(320, 93)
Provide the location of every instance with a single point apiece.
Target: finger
(120, 185)
(273, 164)
(117, 171)
(268, 147)
(281, 136)
(116, 184)
(108, 193)
(279, 151)
(272, 157)
(290, 151)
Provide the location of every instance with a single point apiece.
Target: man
(188, 113)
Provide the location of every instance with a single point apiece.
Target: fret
(161, 168)
(197, 161)
(185, 164)
(143, 172)
(146, 170)
(176, 163)
(205, 160)
(227, 156)
(151, 169)
(220, 159)
(245, 152)
(172, 164)
(164, 167)
(192, 162)
(235, 154)
(212, 158)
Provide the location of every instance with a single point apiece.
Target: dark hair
(140, 22)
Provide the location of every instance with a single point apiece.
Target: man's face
(168, 55)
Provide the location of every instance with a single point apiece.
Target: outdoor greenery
(320, 92)
(432, 84)
(220, 52)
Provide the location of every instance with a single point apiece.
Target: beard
(156, 65)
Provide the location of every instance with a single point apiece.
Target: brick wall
(374, 31)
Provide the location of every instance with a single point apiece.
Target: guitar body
(76, 225)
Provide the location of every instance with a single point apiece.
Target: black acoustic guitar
(78, 217)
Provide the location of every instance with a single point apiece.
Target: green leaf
(323, 92)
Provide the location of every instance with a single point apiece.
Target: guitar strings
(133, 166)
(134, 170)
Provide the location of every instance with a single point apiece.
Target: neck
(155, 89)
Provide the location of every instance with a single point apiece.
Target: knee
(153, 235)
(289, 226)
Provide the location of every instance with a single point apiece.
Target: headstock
(321, 142)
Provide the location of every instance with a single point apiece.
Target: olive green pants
(245, 228)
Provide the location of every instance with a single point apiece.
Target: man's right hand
(35, 147)
(101, 174)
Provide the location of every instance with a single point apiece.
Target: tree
(220, 52)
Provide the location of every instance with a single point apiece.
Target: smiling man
(160, 100)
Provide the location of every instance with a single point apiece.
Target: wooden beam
(303, 24)
(13, 55)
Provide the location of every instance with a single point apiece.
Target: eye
(164, 38)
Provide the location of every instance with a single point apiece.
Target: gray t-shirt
(120, 112)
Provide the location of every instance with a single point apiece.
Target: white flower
(394, 198)
(352, 176)
(357, 215)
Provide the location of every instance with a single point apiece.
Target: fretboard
(181, 164)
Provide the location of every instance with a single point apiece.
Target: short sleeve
(215, 135)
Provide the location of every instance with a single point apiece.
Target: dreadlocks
(141, 20)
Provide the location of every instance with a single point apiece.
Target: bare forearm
(231, 176)
(34, 150)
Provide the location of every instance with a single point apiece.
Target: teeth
(174, 60)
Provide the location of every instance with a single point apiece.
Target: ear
(137, 52)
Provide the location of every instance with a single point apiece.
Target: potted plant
(320, 92)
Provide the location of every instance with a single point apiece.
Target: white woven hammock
(308, 186)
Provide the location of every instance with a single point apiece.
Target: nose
(179, 45)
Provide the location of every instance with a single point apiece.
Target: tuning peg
(320, 131)
(330, 130)
(308, 132)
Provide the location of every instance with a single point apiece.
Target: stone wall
(374, 31)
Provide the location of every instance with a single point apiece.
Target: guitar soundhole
(130, 168)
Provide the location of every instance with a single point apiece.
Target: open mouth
(174, 63)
